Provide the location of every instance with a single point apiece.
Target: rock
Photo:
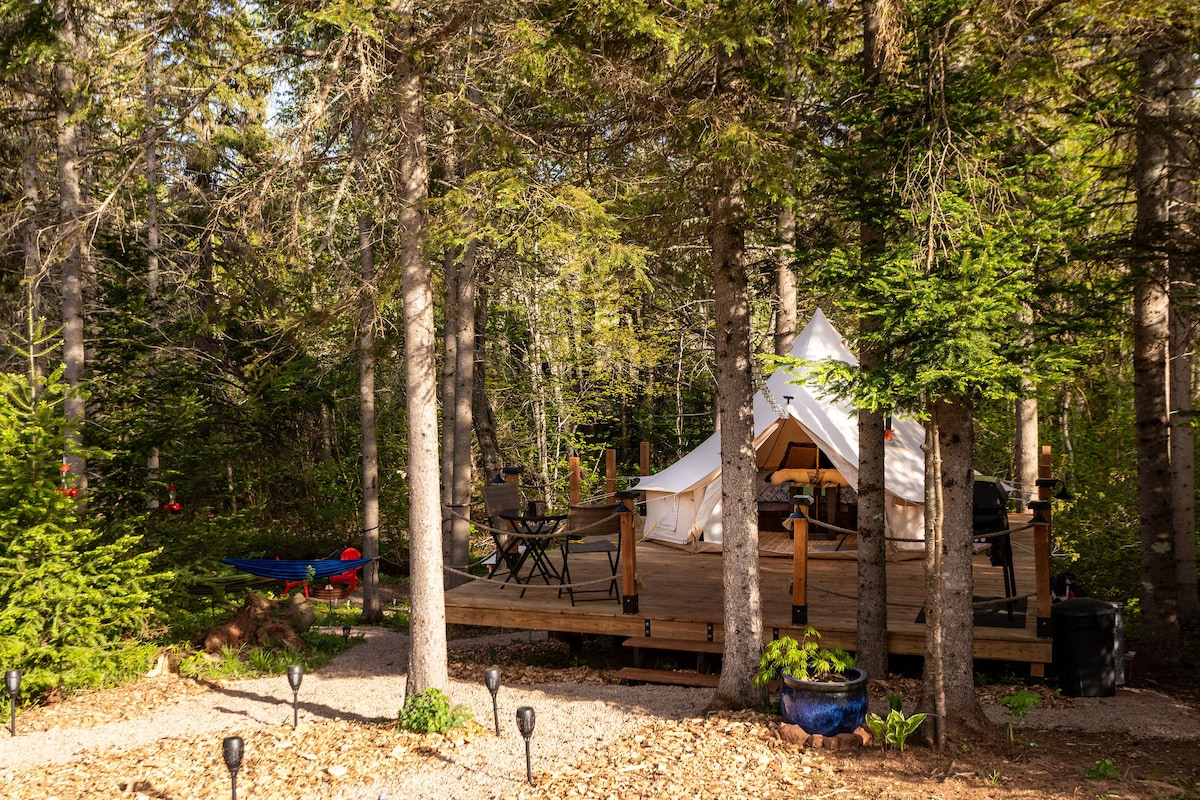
(830, 742)
(793, 734)
(864, 736)
(847, 741)
(337, 771)
(817, 740)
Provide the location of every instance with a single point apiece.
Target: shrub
(431, 712)
(74, 600)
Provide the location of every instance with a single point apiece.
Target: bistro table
(533, 535)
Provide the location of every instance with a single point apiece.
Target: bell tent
(805, 440)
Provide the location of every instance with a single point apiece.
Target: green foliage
(803, 660)
(253, 662)
(74, 599)
(1102, 770)
(894, 729)
(431, 712)
(1018, 704)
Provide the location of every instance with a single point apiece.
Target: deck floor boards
(681, 596)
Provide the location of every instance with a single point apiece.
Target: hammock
(296, 570)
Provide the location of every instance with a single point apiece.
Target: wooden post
(629, 591)
(644, 459)
(574, 490)
(610, 474)
(513, 475)
(800, 570)
(1041, 543)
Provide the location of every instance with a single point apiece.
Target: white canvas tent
(683, 502)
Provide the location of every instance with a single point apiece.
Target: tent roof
(828, 421)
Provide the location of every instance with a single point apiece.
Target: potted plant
(820, 688)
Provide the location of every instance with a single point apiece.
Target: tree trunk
(448, 405)
(31, 250)
(457, 387)
(72, 233)
(464, 383)
(427, 660)
(785, 283)
(1151, 336)
(1183, 295)
(483, 415)
(152, 252)
(367, 311)
(735, 392)
(1026, 423)
(871, 635)
(948, 683)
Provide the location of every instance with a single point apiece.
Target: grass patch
(256, 662)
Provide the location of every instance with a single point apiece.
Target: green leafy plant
(894, 729)
(1018, 704)
(803, 660)
(1101, 770)
(431, 712)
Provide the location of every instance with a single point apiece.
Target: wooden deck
(681, 597)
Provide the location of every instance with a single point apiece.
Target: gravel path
(366, 683)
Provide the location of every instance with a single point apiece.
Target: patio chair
(502, 498)
(350, 576)
(592, 529)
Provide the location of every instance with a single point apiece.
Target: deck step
(694, 679)
(679, 645)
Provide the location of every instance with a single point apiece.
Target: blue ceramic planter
(824, 707)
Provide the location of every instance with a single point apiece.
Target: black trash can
(1084, 647)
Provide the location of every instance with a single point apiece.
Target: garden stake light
(525, 720)
(295, 675)
(231, 749)
(12, 681)
(346, 633)
(491, 677)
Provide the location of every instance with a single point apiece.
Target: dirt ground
(725, 755)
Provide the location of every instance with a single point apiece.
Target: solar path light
(491, 677)
(295, 675)
(231, 749)
(525, 720)
(12, 682)
(346, 633)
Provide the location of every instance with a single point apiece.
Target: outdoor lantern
(231, 749)
(346, 633)
(12, 682)
(295, 674)
(525, 720)
(491, 678)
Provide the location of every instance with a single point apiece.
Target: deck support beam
(629, 591)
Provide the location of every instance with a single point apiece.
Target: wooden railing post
(800, 561)
(576, 481)
(513, 475)
(644, 459)
(1041, 542)
(610, 474)
(629, 591)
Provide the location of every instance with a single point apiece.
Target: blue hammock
(296, 570)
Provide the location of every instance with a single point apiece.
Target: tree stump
(262, 621)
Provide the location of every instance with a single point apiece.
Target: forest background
(219, 220)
